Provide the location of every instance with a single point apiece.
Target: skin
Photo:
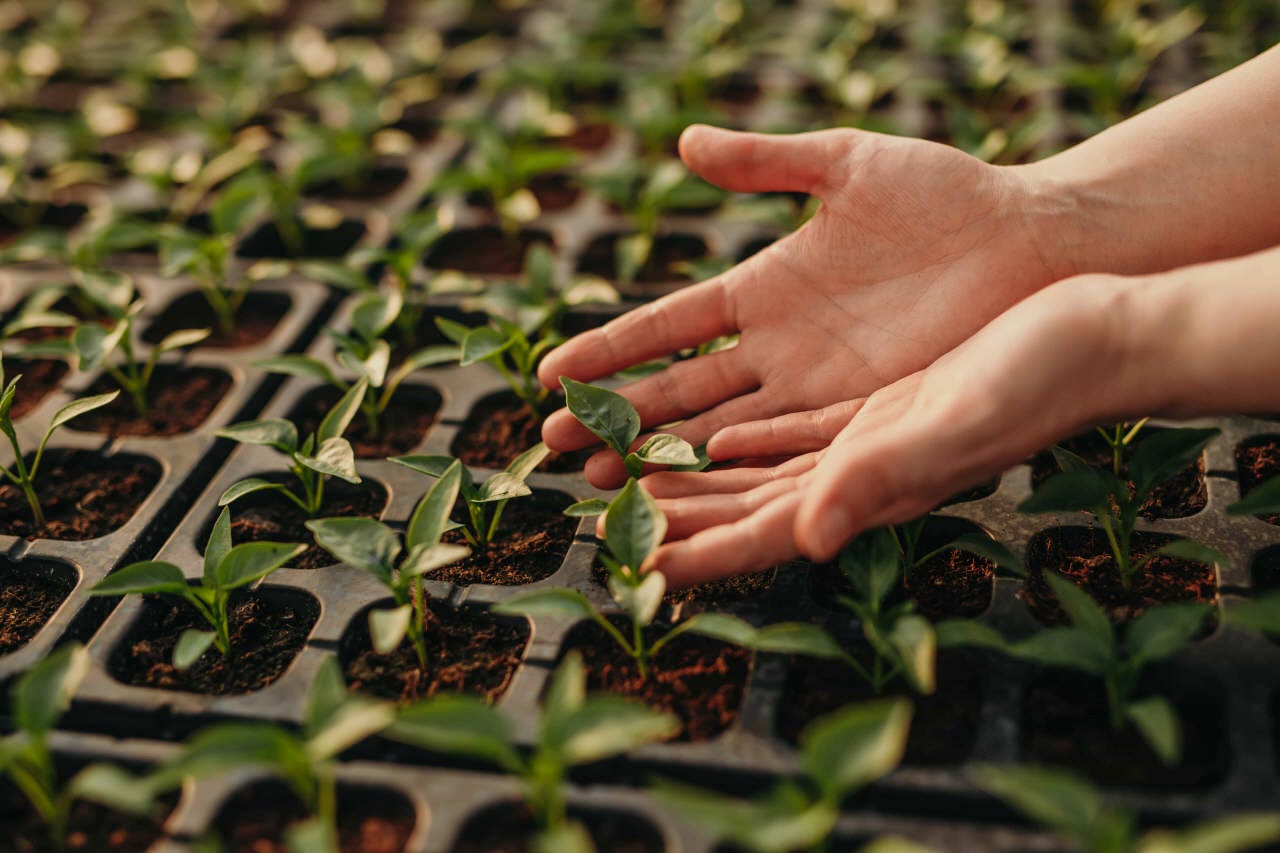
(860, 342)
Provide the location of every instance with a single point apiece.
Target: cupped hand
(915, 247)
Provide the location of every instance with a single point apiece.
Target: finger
(689, 516)
(762, 162)
(683, 389)
(798, 432)
(683, 319)
(759, 541)
(667, 485)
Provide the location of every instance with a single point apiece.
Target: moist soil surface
(1065, 724)
(669, 250)
(179, 400)
(1258, 460)
(725, 591)
(698, 679)
(944, 725)
(1082, 556)
(1182, 495)
(30, 593)
(509, 828)
(257, 318)
(401, 426)
(533, 538)
(370, 820)
(83, 495)
(270, 517)
(500, 427)
(268, 629)
(92, 828)
(334, 242)
(40, 377)
(468, 651)
(485, 250)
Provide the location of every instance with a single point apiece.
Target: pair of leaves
(611, 418)
(502, 486)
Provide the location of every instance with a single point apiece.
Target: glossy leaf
(181, 339)
(247, 486)
(150, 576)
(430, 518)
(481, 344)
(457, 725)
(78, 407)
(337, 420)
(1073, 491)
(277, 433)
(218, 546)
(253, 561)
(387, 628)
(856, 745)
(335, 458)
(634, 526)
(361, 542)
(605, 726)
(608, 415)
(299, 365)
(563, 603)
(423, 560)
(1161, 455)
(640, 601)
(664, 449)
(587, 509)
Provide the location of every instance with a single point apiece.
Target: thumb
(762, 162)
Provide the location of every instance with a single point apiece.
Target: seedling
(37, 701)
(509, 349)
(19, 472)
(1115, 505)
(372, 547)
(226, 569)
(573, 729)
(840, 754)
(1079, 813)
(1117, 655)
(334, 721)
(324, 453)
(486, 501)
(611, 418)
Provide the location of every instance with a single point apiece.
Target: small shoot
(510, 349)
(226, 569)
(611, 418)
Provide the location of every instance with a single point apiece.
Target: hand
(916, 247)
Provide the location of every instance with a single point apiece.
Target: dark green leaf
(634, 526)
(608, 415)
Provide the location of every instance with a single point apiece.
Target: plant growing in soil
(1115, 504)
(1075, 810)
(1116, 654)
(37, 700)
(372, 547)
(20, 473)
(334, 721)
(324, 453)
(840, 754)
(573, 729)
(486, 501)
(226, 569)
(510, 349)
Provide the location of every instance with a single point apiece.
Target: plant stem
(640, 652)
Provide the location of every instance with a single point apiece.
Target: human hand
(916, 247)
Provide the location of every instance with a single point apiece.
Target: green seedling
(1116, 505)
(1078, 812)
(87, 250)
(840, 754)
(510, 350)
(37, 701)
(324, 453)
(226, 569)
(487, 501)
(1117, 655)
(372, 547)
(334, 721)
(19, 472)
(573, 729)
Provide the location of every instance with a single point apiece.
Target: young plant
(510, 349)
(1115, 505)
(226, 569)
(372, 547)
(1073, 809)
(305, 761)
(486, 501)
(324, 453)
(1117, 655)
(19, 472)
(37, 700)
(840, 754)
(573, 729)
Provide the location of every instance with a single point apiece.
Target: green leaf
(1196, 552)
(422, 560)
(630, 254)
(1158, 723)
(223, 747)
(587, 509)
(452, 330)
(277, 433)
(527, 462)
(873, 565)
(431, 465)
(354, 720)
(605, 726)
(1232, 834)
(457, 725)
(428, 356)
(218, 546)
(335, 458)
(563, 603)
(327, 694)
(373, 313)
(190, 646)
(431, 517)
(1073, 648)
(1257, 614)
(1080, 607)
(1058, 799)
(982, 545)
(240, 202)
(1161, 455)
(388, 627)
(43, 693)
(114, 788)
(1161, 631)
(248, 486)
(640, 601)
(501, 487)
(181, 339)
(634, 526)
(968, 632)
(78, 407)
(785, 821)
(481, 344)
(571, 837)
(856, 745)
(723, 627)
(253, 561)
(361, 542)
(335, 423)
(1073, 491)
(299, 365)
(913, 639)
(566, 691)
(608, 415)
(664, 449)
(149, 576)
(312, 835)
(1261, 500)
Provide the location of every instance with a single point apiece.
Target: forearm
(1194, 179)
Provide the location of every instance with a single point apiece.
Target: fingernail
(832, 529)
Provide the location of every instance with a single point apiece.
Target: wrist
(1056, 215)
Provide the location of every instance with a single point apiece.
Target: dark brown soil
(40, 378)
(1258, 460)
(944, 725)
(380, 181)
(588, 137)
(1065, 723)
(401, 427)
(270, 517)
(257, 318)
(554, 191)
(485, 250)
(370, 820)
(534, 536)
(91, 828)
(30, 593)
(469, 651)
(83, 494)
(725, 591)
(179, 400)
(268, 629)
(1182, 495)
(335, 242)
(509, 828)
(1082, 556)
(500, 427)
(699, 680)
(669, 250)
(1265, 569)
